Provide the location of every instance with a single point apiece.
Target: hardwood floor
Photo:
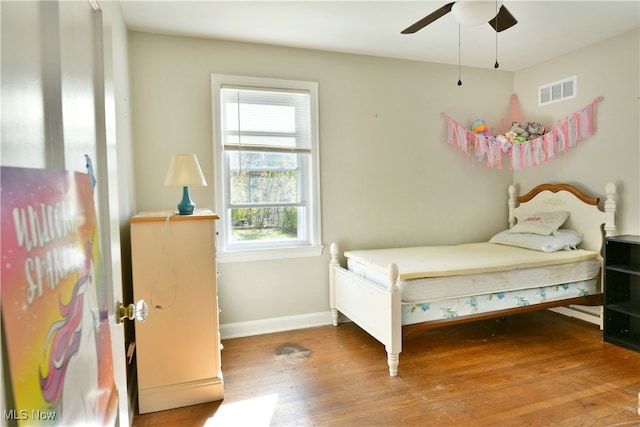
(533, 369)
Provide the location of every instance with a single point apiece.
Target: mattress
(469, 258)
(466, 306)
(461, 286)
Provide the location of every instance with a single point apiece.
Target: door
(53, 114)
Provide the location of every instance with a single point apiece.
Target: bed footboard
(373, 308)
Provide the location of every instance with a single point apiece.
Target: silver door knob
(139, 311)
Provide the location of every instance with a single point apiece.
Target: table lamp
(184, 170)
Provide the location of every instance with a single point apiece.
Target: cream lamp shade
(184, 171)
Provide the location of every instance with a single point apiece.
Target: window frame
(308, 245)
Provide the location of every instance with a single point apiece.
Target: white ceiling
(545, 29)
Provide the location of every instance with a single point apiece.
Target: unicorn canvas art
(54, 302)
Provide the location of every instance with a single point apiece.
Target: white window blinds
(265, 120)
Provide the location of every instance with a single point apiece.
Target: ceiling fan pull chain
(496, 65)
(459, 79)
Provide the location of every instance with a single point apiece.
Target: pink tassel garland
(567, 134)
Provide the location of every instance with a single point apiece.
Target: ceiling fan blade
(439, 13)
(503, 20)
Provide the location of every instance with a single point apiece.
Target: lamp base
(186, 206)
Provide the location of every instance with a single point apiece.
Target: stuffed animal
(525, 131)
(535, 130)
(520, 132)
(510, 136)
(519, 129)
(505, 144)
(480, 127)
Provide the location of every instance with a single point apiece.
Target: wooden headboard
(585, 215)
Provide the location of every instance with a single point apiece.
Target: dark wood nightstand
(622, 291)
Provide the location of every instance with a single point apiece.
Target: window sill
(267, 254)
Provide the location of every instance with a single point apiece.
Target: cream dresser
(178, 345)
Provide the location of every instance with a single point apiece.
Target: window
(267, 167)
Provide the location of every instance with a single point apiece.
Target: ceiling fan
(469, 12)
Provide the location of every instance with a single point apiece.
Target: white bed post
(512, 205)
(609, 230)
(332, 283)
(610, 210)
(394, 345)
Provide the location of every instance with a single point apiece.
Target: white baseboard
(311, 320)
(591, 314)
(277, 324)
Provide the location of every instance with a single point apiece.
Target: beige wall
(609, 69)
(388, 177)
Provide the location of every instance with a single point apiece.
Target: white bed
(396, 293)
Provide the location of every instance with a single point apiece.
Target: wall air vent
(557, 91)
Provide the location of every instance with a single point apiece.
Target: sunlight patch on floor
(255, 412)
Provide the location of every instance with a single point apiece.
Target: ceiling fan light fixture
(474, 12)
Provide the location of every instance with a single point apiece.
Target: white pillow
(543, 223)
(561, 239)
